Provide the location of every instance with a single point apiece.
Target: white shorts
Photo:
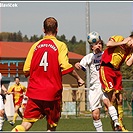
(1, 103)
(95, 97)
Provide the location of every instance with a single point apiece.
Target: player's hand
(5, 92)
(127, 41)
(77, 66)
(80, 82)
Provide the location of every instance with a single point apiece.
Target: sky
(106, 18)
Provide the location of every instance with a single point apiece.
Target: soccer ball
(93, 37)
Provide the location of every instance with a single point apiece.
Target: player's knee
(27, 125)
(96, 115)
(2, 113)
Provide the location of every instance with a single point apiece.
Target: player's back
(45, 73)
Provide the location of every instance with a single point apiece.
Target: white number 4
(44, 62)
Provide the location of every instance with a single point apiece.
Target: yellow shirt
(17, 91)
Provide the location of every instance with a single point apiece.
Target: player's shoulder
(88, 56)
(60, 42)
(60, 45)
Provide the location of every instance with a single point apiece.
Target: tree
(19, 36)
(25, 39)
(73, 40)
(34, 38)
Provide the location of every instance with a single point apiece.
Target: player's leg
(31, 115)
(20, 113)
(51, 128)
(95, 105)
(1, 119)
(112, 110)
(16, 108)
(53, 115)
(96, 120)
(25, 126)
(119, 108)
(1, 113)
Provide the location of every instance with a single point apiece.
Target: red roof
(18, 50)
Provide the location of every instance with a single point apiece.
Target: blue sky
(107, 18)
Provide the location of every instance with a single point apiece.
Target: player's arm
(66, 66)
(117, 41)
(76, 76)
(10, 90)
(82, 65)
(78, 66)
(26, 68)
(4, 89)
(27, 63)
(129, 62)
(24, 90)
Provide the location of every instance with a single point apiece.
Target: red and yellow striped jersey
(116, 55)
(47, 60)
(18, 91)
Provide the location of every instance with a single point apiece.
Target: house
(12, 58)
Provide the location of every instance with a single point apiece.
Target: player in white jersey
(2, 112)
(95, 96)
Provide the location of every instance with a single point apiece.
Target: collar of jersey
(49, 37)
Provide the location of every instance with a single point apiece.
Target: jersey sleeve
(10, 89)
(85, 61)
(66, 67)
(24, 89)
(116, 38)
(27, 63)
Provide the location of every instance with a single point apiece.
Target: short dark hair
(50, 25)
(16, 78)
(131, 35)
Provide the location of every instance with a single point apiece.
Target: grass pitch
(73, 124)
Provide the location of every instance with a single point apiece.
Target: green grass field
(73, 124)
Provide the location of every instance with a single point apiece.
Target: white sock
(113, 114)
(98, 125)
(1, 122)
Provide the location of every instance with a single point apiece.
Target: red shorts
(110, 79)
(36, 109)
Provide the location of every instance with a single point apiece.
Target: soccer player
(117, 52)
(18, 91)
(45, 64)
(2, 111)
(92, 60)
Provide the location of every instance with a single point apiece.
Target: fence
(75, 102)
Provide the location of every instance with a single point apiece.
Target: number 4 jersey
(47, 60)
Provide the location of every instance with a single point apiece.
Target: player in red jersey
(118, 50)
(45, 64)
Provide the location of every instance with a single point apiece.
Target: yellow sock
(18, 128)
(120, 114)
(15, 117)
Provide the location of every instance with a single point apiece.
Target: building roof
(19, 50)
